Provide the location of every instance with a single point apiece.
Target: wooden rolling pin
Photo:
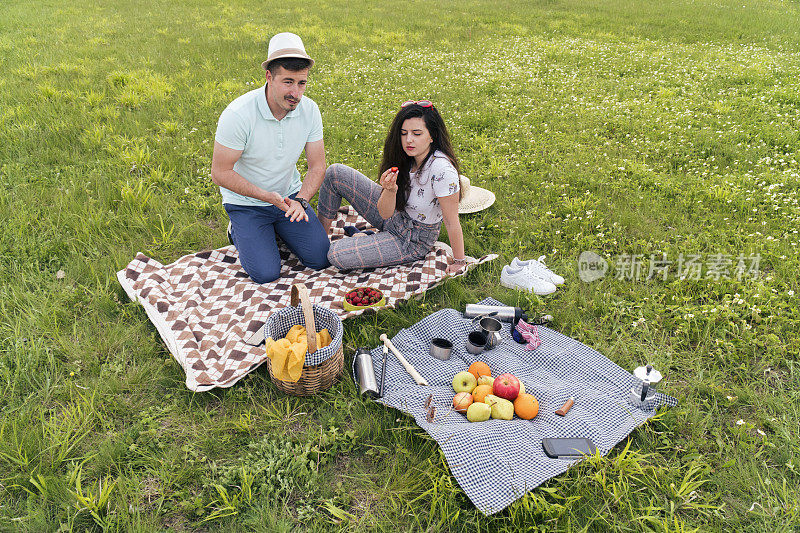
(408, 366)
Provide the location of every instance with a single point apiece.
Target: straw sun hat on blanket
(474, 198)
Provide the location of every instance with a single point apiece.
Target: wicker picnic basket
(322, 367)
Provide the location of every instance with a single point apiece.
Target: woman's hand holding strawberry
(389, 179)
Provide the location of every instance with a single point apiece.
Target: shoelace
(541, 262)
(530, 333)
(528, 275)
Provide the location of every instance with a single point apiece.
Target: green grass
(622, 127)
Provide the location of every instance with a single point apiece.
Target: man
(259, 139)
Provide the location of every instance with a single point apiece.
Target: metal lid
(648, 373)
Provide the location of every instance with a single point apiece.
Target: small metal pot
(649, 377)
(490, 327)
(441, 348)
(476, 342)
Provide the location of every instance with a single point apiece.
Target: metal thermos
(365, 374)
(502, 313)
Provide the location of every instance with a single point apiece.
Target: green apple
(486, 380)
(464, 382)
(479, 412)
(501, 408)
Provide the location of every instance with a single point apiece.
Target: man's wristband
(462, 261)
(303, 202)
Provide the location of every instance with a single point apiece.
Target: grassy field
(623, 127)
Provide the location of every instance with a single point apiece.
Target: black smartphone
(568, 448)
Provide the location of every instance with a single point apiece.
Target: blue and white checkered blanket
(498, 461)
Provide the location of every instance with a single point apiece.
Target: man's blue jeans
(254, 230)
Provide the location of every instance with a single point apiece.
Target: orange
(480, 392)
(478, 369)
(526, 406)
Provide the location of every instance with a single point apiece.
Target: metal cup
(441, 348)
(490, 327)
(476, 342)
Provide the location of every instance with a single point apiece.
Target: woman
(419, 188)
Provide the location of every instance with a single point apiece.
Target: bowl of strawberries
(362, 298)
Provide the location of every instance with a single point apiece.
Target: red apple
(506, 386)
(462, 401)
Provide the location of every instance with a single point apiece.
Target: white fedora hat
(473, 199)
(286, 45)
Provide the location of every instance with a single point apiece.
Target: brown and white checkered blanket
(205, 306)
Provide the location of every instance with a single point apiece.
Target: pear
(486, 380)
(479, 412)
(521, 388)
(502, 409)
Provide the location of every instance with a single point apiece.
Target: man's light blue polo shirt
(270, 147)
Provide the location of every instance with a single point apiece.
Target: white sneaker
(523, 279)
(538, 268)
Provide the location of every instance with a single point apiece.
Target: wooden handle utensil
(566, 407)
(408, 366)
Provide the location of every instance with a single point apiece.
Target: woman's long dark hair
(395, 156)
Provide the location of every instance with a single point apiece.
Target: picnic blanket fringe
(164, 330)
